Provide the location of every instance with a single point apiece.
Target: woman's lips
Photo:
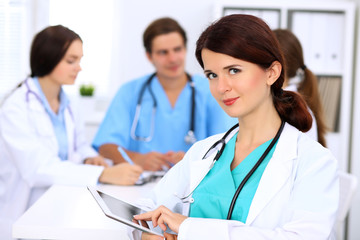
(230, 101)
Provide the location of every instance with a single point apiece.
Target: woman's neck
(254, 131)
(259, 127)
(51, 91)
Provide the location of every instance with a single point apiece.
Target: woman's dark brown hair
(48, 48)
(308, 87)
(250, 39)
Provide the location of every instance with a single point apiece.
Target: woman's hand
(147, 236)
(98, 161)
(121, 174)
(162, 216)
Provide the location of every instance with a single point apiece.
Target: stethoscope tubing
(138, 111)
(257, 164)
(29, 91)
(222, 142)
(189, 138)
(214, 147)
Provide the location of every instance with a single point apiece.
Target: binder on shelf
(334, 42)
(318, 34)
(300, 22)
(330, 89)
(272, 18)
(322, 37)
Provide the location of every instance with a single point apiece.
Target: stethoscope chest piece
(190, 137)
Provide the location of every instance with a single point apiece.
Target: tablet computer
(119, 210)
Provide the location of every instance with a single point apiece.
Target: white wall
(132, 18)
(135, 16)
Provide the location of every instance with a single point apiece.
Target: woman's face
(240, 87)
(68, 68)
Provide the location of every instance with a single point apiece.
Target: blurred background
(112, 30)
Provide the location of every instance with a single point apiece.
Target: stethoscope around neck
(38, 98)
(190, 136)
(219, 146)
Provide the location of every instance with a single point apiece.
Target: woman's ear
(273, 72)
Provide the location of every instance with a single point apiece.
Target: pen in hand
(128, 159)
(125, 156)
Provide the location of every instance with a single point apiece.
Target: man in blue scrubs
(165, 145)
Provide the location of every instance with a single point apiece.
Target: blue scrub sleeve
(115, 127)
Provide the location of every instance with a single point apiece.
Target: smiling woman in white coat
(41, 140)
(264, 178)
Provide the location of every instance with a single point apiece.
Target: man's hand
(152, 161)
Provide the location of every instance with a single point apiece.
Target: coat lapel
(277, 172)
(38, 115)
(199, 169)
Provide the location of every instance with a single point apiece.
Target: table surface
(68, 212)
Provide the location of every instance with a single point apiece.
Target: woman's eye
(233, 71)
(211, 75)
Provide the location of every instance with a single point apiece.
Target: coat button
(192, 200)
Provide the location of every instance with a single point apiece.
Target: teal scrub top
(171, 123)
(213, 195)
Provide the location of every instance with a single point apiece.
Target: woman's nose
(223, 84)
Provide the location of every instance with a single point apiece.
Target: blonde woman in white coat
(263, 179)
(41, 140)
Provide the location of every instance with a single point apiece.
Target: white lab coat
(29, 155)
(297, 197)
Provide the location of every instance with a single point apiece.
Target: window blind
(12, 44)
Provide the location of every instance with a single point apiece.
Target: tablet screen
(118, 209)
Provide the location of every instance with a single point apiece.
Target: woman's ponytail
(292, 108)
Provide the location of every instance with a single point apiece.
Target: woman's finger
(144, 216)
(163, 218)
(161, 221)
